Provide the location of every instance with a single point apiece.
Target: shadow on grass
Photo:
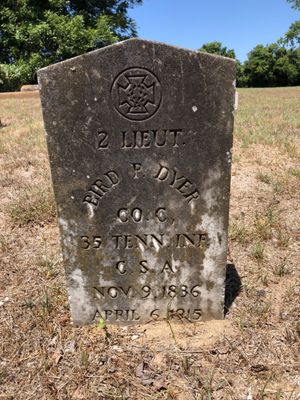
(233, 286)
(2, 125)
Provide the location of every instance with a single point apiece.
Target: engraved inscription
(167, 267)
(139, 160)
(180, 313)
(136, 94)
(171, 176)
(101, 187)
(174, 179)
(146, 292)
(134, 241)
(138, 215)
(102, 142)
(144, 139)
(91, 242)
(117, 315)
(184, 240)
(197, 240)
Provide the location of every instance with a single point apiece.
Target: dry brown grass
(254, 352)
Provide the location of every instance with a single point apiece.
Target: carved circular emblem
(136, 94)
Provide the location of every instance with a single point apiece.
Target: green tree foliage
(292, 37)
(276, 64)
(272, 65)
(295, 3)
(35, 33)
(242, 79)
(217, 48)
(259, 66)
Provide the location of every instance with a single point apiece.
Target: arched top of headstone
(135, 45)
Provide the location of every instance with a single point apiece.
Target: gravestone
(139, 137)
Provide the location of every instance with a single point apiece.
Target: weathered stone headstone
(139, 137)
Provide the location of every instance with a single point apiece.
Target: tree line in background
(276, 64)
(271, 65)
(34, 34)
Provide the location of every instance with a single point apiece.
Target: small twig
(173, 334)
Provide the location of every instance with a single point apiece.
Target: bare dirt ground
(253, 354)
